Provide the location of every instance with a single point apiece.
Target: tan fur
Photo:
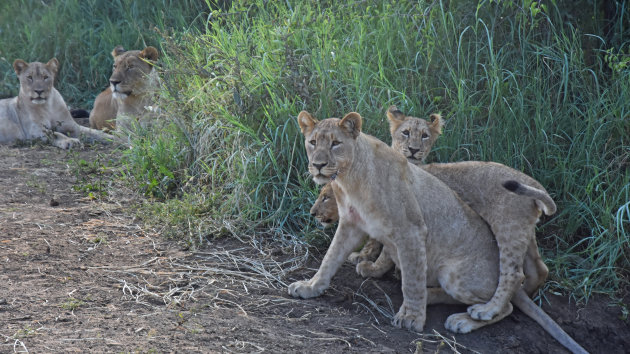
(432, 236)
(39, 111)
(413, 137)
(511, 217)
(418, 138)
(132, 86)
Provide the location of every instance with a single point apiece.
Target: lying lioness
(434, 238)
(39, 111)
(132, 86)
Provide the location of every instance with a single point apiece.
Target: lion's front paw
(370, 269)
(365, 268)
(461, 323)
(304, 290)
(356, 257)
(483, 312)
(70, 143)
(408, 318)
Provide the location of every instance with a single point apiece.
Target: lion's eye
(425, 136)
(335, 143)
(45, 77)
(405, 133)
(30, 78)
(312, 142)
(325, 198)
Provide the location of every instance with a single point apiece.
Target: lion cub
(39, 111)
(508, 200)
(130, 93)
(420, 136)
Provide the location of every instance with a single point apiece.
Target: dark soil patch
(81, 275)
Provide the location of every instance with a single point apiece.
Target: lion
(512, 218)
(129, 96)
(445, 251)
(39, 111)
(417, 138)
(479, 184)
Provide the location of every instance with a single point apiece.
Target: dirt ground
(82, 275)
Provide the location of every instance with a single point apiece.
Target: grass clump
(517, 85)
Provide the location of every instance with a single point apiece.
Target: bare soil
(80, 274)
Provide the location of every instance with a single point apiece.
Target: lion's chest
(354, 216)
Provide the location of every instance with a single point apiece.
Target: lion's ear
(306, 122)
(53, 65)
(149, 53)
(396, 118)
(19, 66)
(351, 123)
(118, 51)
(436, 123)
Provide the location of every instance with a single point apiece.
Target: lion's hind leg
(535, 269)
(513, 243)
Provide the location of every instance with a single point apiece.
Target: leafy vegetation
(518, 82)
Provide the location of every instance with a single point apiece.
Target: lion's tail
(525, 304)
(543, 200)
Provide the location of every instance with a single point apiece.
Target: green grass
(82, 34)
(543, 90)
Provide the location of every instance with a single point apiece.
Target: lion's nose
(114, 82)
(319, 165)
(39, 92)
(312, 213)
(413, 151)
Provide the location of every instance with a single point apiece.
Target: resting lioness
(39, 111)
(434, 238)
(129, 96)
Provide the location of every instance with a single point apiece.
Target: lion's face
(131, 71)
(325, 207)
(413, 137)
(36, 79)
(329, 144)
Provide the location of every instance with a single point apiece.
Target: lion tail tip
(511, 185)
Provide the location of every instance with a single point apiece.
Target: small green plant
(25, 332)
(92, 176)
(72, 304)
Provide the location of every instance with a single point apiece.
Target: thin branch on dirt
(438, 341)
(333, 338)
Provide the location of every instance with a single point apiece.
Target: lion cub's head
(329, 144)
(131, 71)
(36, 79)
(325, 207)
(412, 136)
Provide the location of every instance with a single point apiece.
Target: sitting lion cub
(420, 136)
(434, 238)
(130, 93)
(39, 111)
